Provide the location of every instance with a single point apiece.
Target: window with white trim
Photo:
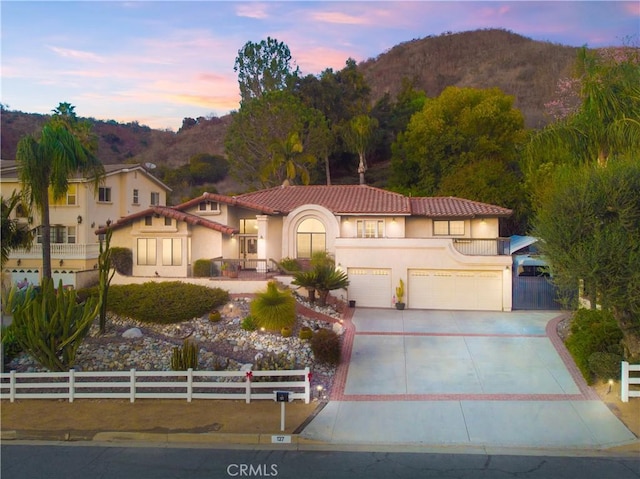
(311, 237)
(146, 251)
(155, 198)
(171, 251)
(448, 227)
(370, 228)
(136, 197)
(104, 194)
(209, 206)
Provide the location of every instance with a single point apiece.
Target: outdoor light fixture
(79, 219)
(319, 388)
(93, 224)
(610, 384)
(19, 262)
(61, 262)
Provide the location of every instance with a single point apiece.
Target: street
(85, 460)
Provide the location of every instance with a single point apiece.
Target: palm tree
(46, 164)
(14, 234)
(606, 124)
(358, 135)
(288, 160)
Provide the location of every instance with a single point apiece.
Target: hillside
(525, 68)
(522, 67)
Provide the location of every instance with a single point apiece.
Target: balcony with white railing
(482, 247)
(60, 251)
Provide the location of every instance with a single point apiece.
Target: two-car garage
(455, 289)
(429, 288)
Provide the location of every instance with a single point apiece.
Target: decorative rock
(132, 333)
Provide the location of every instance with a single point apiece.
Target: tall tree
(264, 67)
(460, 127)
(589, 224)
(262, 123)
(358, 136)
(14, 234)
(46, 164)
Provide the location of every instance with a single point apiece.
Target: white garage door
(370, 287)
(448, 289)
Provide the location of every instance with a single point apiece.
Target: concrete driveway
(462, 378)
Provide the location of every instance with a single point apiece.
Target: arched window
(311, 236)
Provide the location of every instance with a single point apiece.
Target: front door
(248, 251)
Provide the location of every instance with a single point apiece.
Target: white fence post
(624, 381)
(132, 385)
(307, 385)
(189, 384)
(249, 375)
(12, 385)
(72, 384)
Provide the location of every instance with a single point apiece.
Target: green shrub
(274, 309)
(249, 323)
(274, 362)
(165, 302)
(592, 331)
(290, 264)
(325, 345)
(122, 260)
(215, 316)
(605, 365)
(204, 268)
(305, 333)
(10, 346)
(185, 357)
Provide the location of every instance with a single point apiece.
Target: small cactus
(305, 333)
(185, 357)
(286, 332)
(215, 316)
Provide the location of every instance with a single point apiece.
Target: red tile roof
(452, 207)
(340, 199)
(169, 212)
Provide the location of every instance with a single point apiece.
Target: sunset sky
(158, 62)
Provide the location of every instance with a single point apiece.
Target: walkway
(462, 378)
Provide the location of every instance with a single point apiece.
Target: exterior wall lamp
(79, 218)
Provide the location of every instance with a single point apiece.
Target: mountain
(525, 68)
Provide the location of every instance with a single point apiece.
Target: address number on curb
(280, 439)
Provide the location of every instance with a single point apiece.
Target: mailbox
(282, 396)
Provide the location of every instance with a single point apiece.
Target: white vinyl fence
(134, 385)
(626, 380)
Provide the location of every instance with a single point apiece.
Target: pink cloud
(339, 18)
(252, 10)
(77, 54)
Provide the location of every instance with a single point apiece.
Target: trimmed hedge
(593, 331)
(326, 347)
(165, 302)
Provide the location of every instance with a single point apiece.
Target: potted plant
(400, 295)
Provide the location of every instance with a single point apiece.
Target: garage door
(449, 289)
(370, 287)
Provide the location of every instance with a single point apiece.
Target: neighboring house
(74, 245)
(446, 250)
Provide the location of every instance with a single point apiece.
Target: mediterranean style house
(446, 250)
(125, 190)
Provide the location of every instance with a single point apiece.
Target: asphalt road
(81, 461)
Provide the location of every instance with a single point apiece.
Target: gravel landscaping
(223, 344)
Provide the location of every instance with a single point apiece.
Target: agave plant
(274, 309)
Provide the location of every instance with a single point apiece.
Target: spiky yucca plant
(274, 309)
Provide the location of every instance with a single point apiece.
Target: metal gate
(535, 292)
